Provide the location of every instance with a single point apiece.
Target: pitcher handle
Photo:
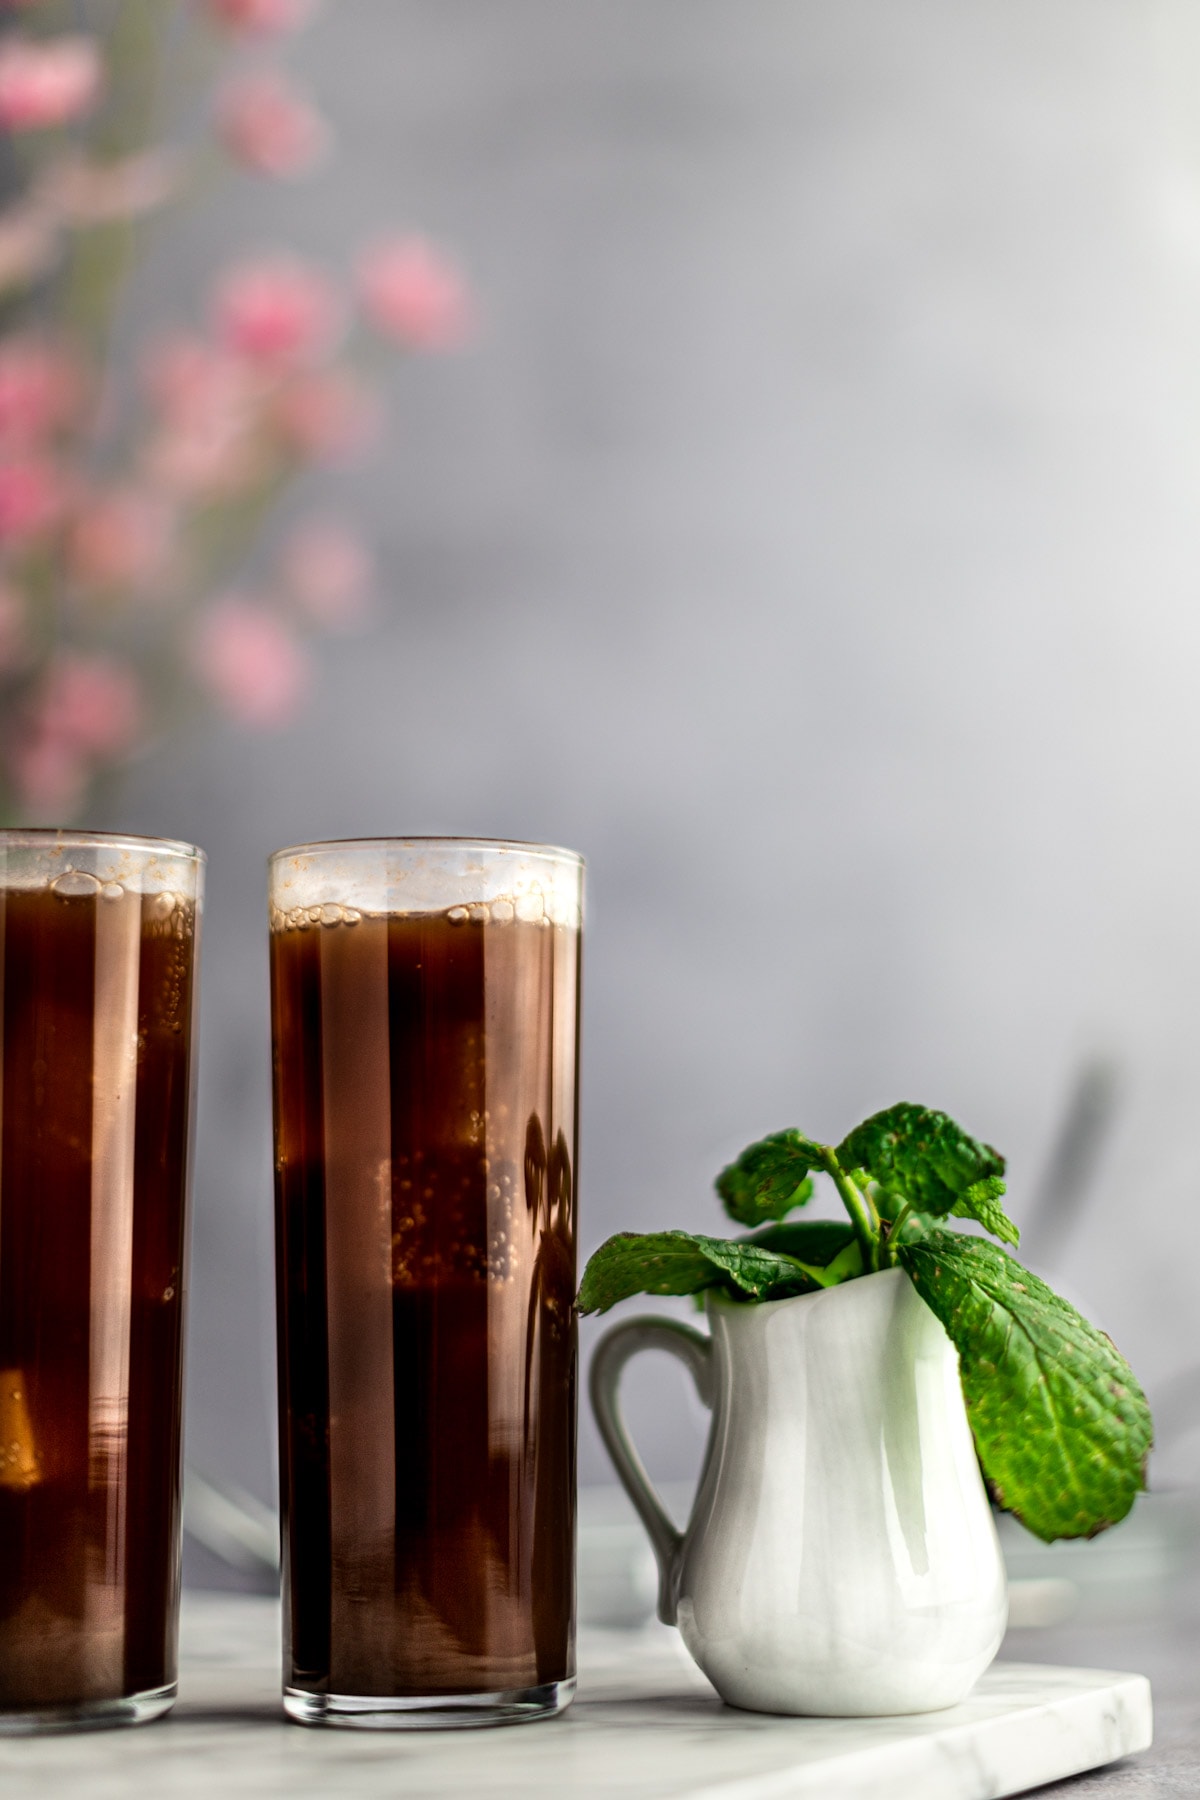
(694, 1350)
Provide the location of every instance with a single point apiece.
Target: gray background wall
(811, 539)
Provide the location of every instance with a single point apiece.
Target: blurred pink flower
(39, 389)
(47, 81)
(33, 493)
(324, 414)
(268, 126)
(251, 662)
(210, 407)
(14, 627)
(207, 461)
(410, 293)
(187, 378)
(327, 570)
(87, 708)
(258, 18)
(49, 777)
(80, 192)
(119, 540)
(277, 312)
(28, 244)
(90, 702)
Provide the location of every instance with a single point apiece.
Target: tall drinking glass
(98, 948)
(425, 1005)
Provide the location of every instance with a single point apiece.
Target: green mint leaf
(982, 1202)
(769, 1178)
(675, 1262)
(846, 1265)
(809, 1240)
(921, 1156)
(1061, 1426)
(826, 1249)
(916, 1225)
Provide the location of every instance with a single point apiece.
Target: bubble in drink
(73, 883)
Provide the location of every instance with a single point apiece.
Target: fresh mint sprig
(922, 1162)
(1061, 1427)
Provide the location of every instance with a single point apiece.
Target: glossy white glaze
(841, 1557)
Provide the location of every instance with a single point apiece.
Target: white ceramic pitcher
(841, 1557)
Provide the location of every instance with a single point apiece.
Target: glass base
(436, 1712)
(90, 1715)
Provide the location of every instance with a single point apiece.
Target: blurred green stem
(101, 254)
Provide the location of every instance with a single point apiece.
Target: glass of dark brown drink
(98, 949)
(425, 1006)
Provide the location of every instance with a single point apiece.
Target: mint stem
(893, 1236)
(856, 1206)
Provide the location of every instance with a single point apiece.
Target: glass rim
(550, 852)
(35, 837)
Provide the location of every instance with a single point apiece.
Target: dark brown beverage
(97, 1000)
(425, 1099)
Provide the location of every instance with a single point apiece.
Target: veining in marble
(646, 1725)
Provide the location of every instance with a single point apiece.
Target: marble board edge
(1023, 1748)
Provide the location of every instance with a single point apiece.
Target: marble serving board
(646, 1725)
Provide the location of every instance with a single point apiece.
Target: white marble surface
(646, 1726)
